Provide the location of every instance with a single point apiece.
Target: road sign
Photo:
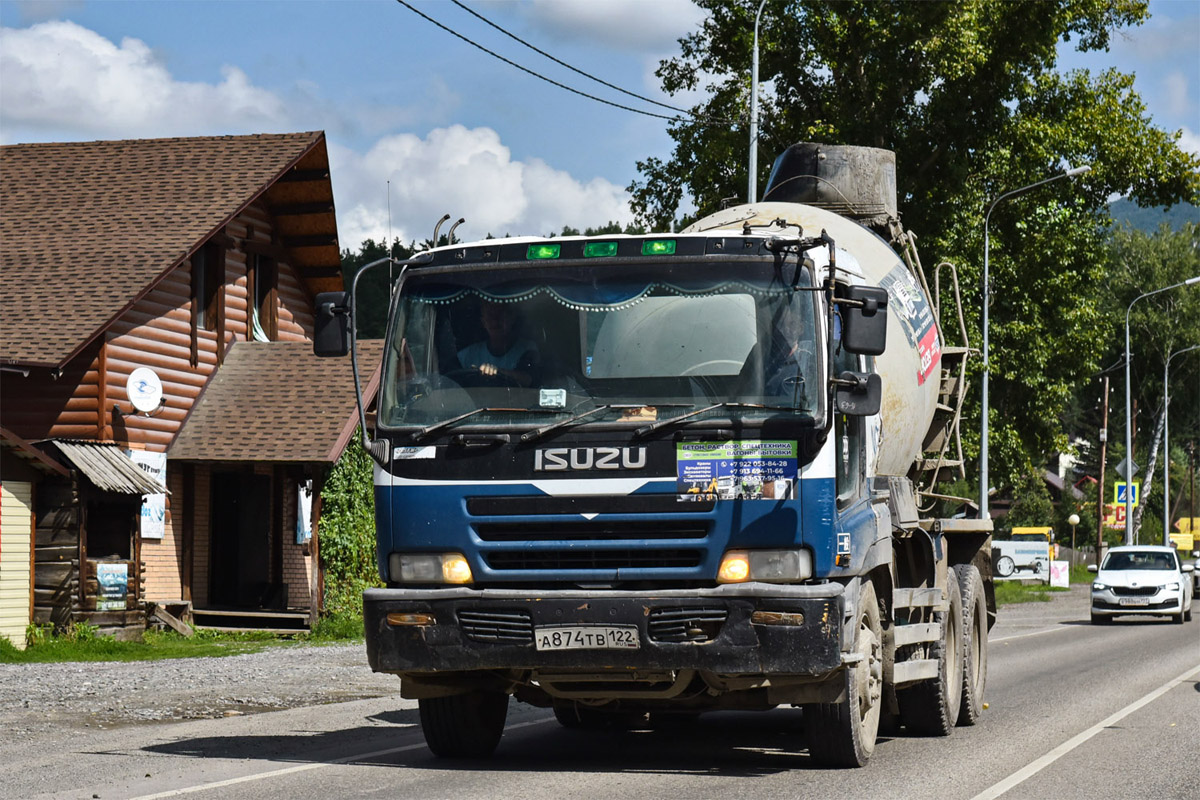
(1121, 489)
(1124, 466)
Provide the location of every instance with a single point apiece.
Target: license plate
(587, 637)
(1134, 601)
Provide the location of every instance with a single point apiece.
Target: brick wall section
(164, 557)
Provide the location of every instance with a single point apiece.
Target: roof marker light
(599, 249)
(537, 251)
(658, 247)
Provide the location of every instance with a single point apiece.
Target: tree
(966, 95)
(1159, 325)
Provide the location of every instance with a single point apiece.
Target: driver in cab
(504, 356)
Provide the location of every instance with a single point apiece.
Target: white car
(1143, 580)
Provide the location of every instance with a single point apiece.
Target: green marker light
(658, 247)
(599, 249)
(537, 251)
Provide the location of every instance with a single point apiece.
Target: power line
(551, 81)
(560, 62)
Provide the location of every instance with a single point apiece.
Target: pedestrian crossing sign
(1131, 488)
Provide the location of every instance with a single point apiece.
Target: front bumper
(1105, 602)
(704, 629)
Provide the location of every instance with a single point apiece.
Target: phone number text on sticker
(586, 637)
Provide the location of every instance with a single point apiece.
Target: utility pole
(1100, 489)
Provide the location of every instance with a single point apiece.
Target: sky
(420, 123)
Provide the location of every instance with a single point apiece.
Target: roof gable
(88, 227)
(277, 402)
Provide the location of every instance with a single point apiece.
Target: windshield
(1144, 560)
(530, 347)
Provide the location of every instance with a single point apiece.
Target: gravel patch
(37, 699)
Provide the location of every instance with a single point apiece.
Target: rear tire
(843, 734)
(464, 725)
(974, 636)
(930, 708)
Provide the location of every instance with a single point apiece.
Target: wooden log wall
(56, 585)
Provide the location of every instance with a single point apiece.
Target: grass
(1010, 592)
(82, 643)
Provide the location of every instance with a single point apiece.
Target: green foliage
(348, 534)
(899, 76)
(1010, 592)
(1031, 502)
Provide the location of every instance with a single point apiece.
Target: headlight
(429, 568)
(1172, 587)
(1099, 587)
(777, 566)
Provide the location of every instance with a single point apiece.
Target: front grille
(529, 505)
(1135, 591)
(685, 624)
(593, 559)
(510, 626)
(587, 531)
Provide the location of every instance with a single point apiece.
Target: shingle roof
(277, 402)
(89, 226)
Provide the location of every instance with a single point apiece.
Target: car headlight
(771, 566)
(1172, 587)
(429, 568)
(1099, 587)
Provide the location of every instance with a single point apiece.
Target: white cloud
(1179, 100)
(1189, 141)
(466, 173)
(59, 75)
(618, 24)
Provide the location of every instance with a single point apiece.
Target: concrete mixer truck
(634, 479)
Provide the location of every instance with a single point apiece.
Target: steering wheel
(472, 377)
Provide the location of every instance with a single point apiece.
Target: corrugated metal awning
(109, 468)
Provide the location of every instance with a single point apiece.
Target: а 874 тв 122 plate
(587, 637)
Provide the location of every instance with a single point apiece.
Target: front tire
(464, 725)
(974, 634)
(930, 708)
(843, 734)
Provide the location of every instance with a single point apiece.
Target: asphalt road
(1075, 712)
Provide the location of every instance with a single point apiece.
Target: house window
(263, 294)
(208, 273)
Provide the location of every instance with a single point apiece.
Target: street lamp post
(1167, 444)
(1128, 401)
(1073, 520)
(752, 184)
(984, 513)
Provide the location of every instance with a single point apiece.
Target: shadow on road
(737, 744)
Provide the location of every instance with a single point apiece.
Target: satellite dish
(145, 389)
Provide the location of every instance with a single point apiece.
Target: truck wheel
(930, 708)
(843, 734)
(464, 725)
(974, 646)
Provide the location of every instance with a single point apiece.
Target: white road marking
(204, 787)
(1023, 635)
(1037, 766)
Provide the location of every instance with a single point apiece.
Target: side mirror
(331, 328)
(1188, 567)
(858, 394)
(1093, 568)
(864, 320)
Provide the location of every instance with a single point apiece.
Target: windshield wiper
(538, 433)
(662, 423)
(446, 423)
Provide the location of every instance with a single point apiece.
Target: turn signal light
(410, 619)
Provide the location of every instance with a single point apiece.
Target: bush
(348, 538)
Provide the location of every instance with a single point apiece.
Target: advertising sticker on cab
(749, 470)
